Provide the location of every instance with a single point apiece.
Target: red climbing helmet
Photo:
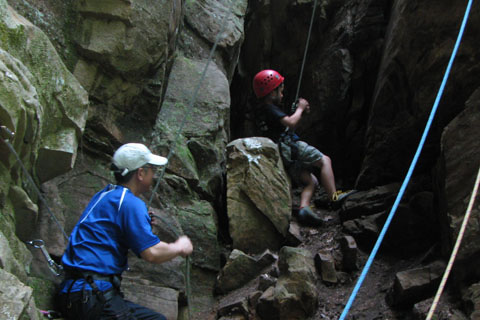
(266, 81)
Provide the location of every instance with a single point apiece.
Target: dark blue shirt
(114, 221)
(268, 118)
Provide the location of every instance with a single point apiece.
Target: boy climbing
(298, 157)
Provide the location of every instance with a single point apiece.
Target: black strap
(90, 278)
(95, 289)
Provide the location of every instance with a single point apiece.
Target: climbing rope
(304, 57)
(190, 105)
(455, 249)
(410, 170)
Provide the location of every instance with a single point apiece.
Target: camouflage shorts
(302, 158)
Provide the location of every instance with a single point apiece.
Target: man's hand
(163, 251)
(184, 245)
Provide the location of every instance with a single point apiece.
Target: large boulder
(258, 195)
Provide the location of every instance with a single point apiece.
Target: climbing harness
(56, 269)
(410, 170)
(455, 249)
(180, 128)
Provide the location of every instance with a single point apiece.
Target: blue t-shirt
(114, 221)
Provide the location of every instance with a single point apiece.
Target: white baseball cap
(132, 156)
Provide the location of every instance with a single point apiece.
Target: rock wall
(46, 108)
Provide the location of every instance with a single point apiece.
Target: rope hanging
(304, 55)
(180, 129)
(410, 170)
(455, 249)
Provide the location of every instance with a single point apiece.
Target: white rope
(455, 249)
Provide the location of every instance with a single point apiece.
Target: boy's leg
(327, 177)
(310, 182)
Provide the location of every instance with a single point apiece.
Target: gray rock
(294, 236)
(471, 299)
(258, 195)
(367, 229)
(294, 296)
(241, 268)
(326, 266)
(16, 300)
(197, 219)
(349, 252)
(237, 309)
(10, 262)
(156, 298)
(265, 281)
(26, 213)
(364, 203)
(415, 285)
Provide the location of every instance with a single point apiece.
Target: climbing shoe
(308, 217)
(339, 196)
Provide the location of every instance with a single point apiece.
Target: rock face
(407, 83)
(16, 300)
(126, 49)
(459, 165)
(46, 108)
(258, 196)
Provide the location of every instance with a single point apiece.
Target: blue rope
(410, 170)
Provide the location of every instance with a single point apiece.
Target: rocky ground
(370, 302)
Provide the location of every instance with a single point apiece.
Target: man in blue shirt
(114, 221)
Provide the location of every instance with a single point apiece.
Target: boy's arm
(292, 120)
